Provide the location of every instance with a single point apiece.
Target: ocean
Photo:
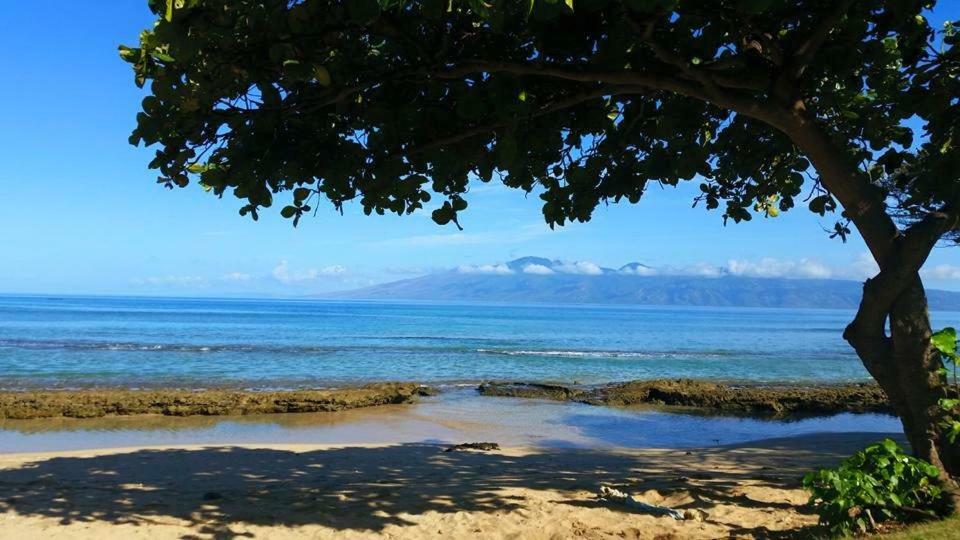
(81, 342)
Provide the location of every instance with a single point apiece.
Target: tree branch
(567, 103)
(673, 59)
(900, 271)
(804, 54)
(863, 202)
(746, 105)
(710, 79)
(630, 78)
(808, 49)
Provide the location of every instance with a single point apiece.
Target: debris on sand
(609, 494)
(482, 446)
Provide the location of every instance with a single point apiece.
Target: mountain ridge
(541, 280)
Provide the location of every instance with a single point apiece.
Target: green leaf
(301, 193)
(945, 341)
(953, 432)
(529, 8)
(889, 445)
(949, 404)
(822, 204)
(321, 75)
(288, 211)
(129, 54)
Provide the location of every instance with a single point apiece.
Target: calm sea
(152, 342)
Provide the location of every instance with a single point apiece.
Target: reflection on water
(454, 416)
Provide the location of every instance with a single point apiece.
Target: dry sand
(412, 490)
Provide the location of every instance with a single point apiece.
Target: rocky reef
(776, 400)
(98, 403)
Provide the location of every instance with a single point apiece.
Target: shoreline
(453, 417)
(699, 396)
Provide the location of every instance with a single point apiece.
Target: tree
(849, 106)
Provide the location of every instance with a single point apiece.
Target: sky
(82, 214)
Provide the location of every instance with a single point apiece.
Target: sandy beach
(412, 490)
(381, 472)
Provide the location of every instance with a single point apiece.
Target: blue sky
(82, 213)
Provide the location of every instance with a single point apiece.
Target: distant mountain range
(540, 280)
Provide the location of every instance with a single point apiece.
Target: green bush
(879, 483)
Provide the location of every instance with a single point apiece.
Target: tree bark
(905, 365)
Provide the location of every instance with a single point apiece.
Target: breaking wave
(612, 354)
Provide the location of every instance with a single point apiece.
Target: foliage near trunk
(877, 484)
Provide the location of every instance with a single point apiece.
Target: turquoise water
(145, 342)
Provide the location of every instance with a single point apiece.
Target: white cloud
(769, 267)
(285, 275)
(640, 270)
(497, 269)
(699, 269)
(537, 269)
(237, 276)
(333, 270)
(579, 267)
(942, 272)
(863, 267)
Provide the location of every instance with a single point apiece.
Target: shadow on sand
(369, 488)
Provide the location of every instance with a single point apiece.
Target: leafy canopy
(400, 103)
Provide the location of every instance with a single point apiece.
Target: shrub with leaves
(879, 483)
(945, 341)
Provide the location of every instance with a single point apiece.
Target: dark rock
(530, 390)
(427, 391)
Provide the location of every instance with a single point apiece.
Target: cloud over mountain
(765, 282)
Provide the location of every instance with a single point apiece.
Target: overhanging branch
(804, 53)
(559, 105)
(735, 101)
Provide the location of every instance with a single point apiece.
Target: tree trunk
(902, 361)
(905, 365)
